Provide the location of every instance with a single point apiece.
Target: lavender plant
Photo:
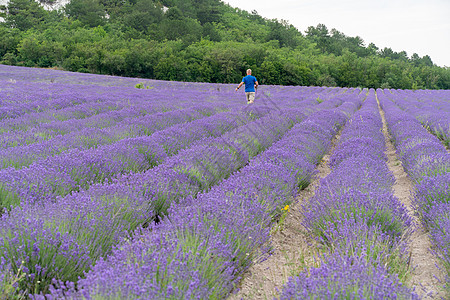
(346, 276)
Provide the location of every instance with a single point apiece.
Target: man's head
(249, 72)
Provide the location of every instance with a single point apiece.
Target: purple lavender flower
(346, 277)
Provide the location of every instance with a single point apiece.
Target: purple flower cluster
(356, 218)
(345, 276)
(207, 241)
(92, 137)
(427, 161)
(431, 108)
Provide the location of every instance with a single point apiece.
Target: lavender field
(173, 190)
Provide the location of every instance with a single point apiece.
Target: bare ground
(426, 277)
(292, 250)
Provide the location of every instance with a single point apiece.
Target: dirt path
(292, 249)
(425, 273)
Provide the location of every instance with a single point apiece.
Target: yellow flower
(286, 207)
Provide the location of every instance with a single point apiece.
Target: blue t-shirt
(249, 81)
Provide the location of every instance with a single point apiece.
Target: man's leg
(247, 96)
(251, 97)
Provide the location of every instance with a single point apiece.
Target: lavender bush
(431, 108)
(346, 276)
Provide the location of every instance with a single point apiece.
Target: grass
(9, 284)
(8, 198)
(279, 226)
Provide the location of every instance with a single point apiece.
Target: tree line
(201, 40)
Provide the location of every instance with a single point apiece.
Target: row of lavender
(99, 109)
(73, 232)
(50, 173)
(209, 239)
(431, 108)
(89, 137)
(427, 162)
(58, 99)
(361, 228)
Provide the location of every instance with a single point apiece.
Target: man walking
(250, 84)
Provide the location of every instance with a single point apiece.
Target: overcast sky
(415, 26)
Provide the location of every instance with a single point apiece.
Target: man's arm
(239, 86)
(256, 84)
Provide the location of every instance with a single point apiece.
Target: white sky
(414, 26)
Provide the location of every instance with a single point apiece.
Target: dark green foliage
(89, 12)
(142, 15)
(24, 14)
(201, 40)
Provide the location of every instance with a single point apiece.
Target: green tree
(187, 29)
(10, 39)
(172, 67)
(209, 30)
(36, 49)
(320, 36)
(141, 58)
(227, 63)
(143, 15)
(89, 12)
(24, 14)
(283, 32)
